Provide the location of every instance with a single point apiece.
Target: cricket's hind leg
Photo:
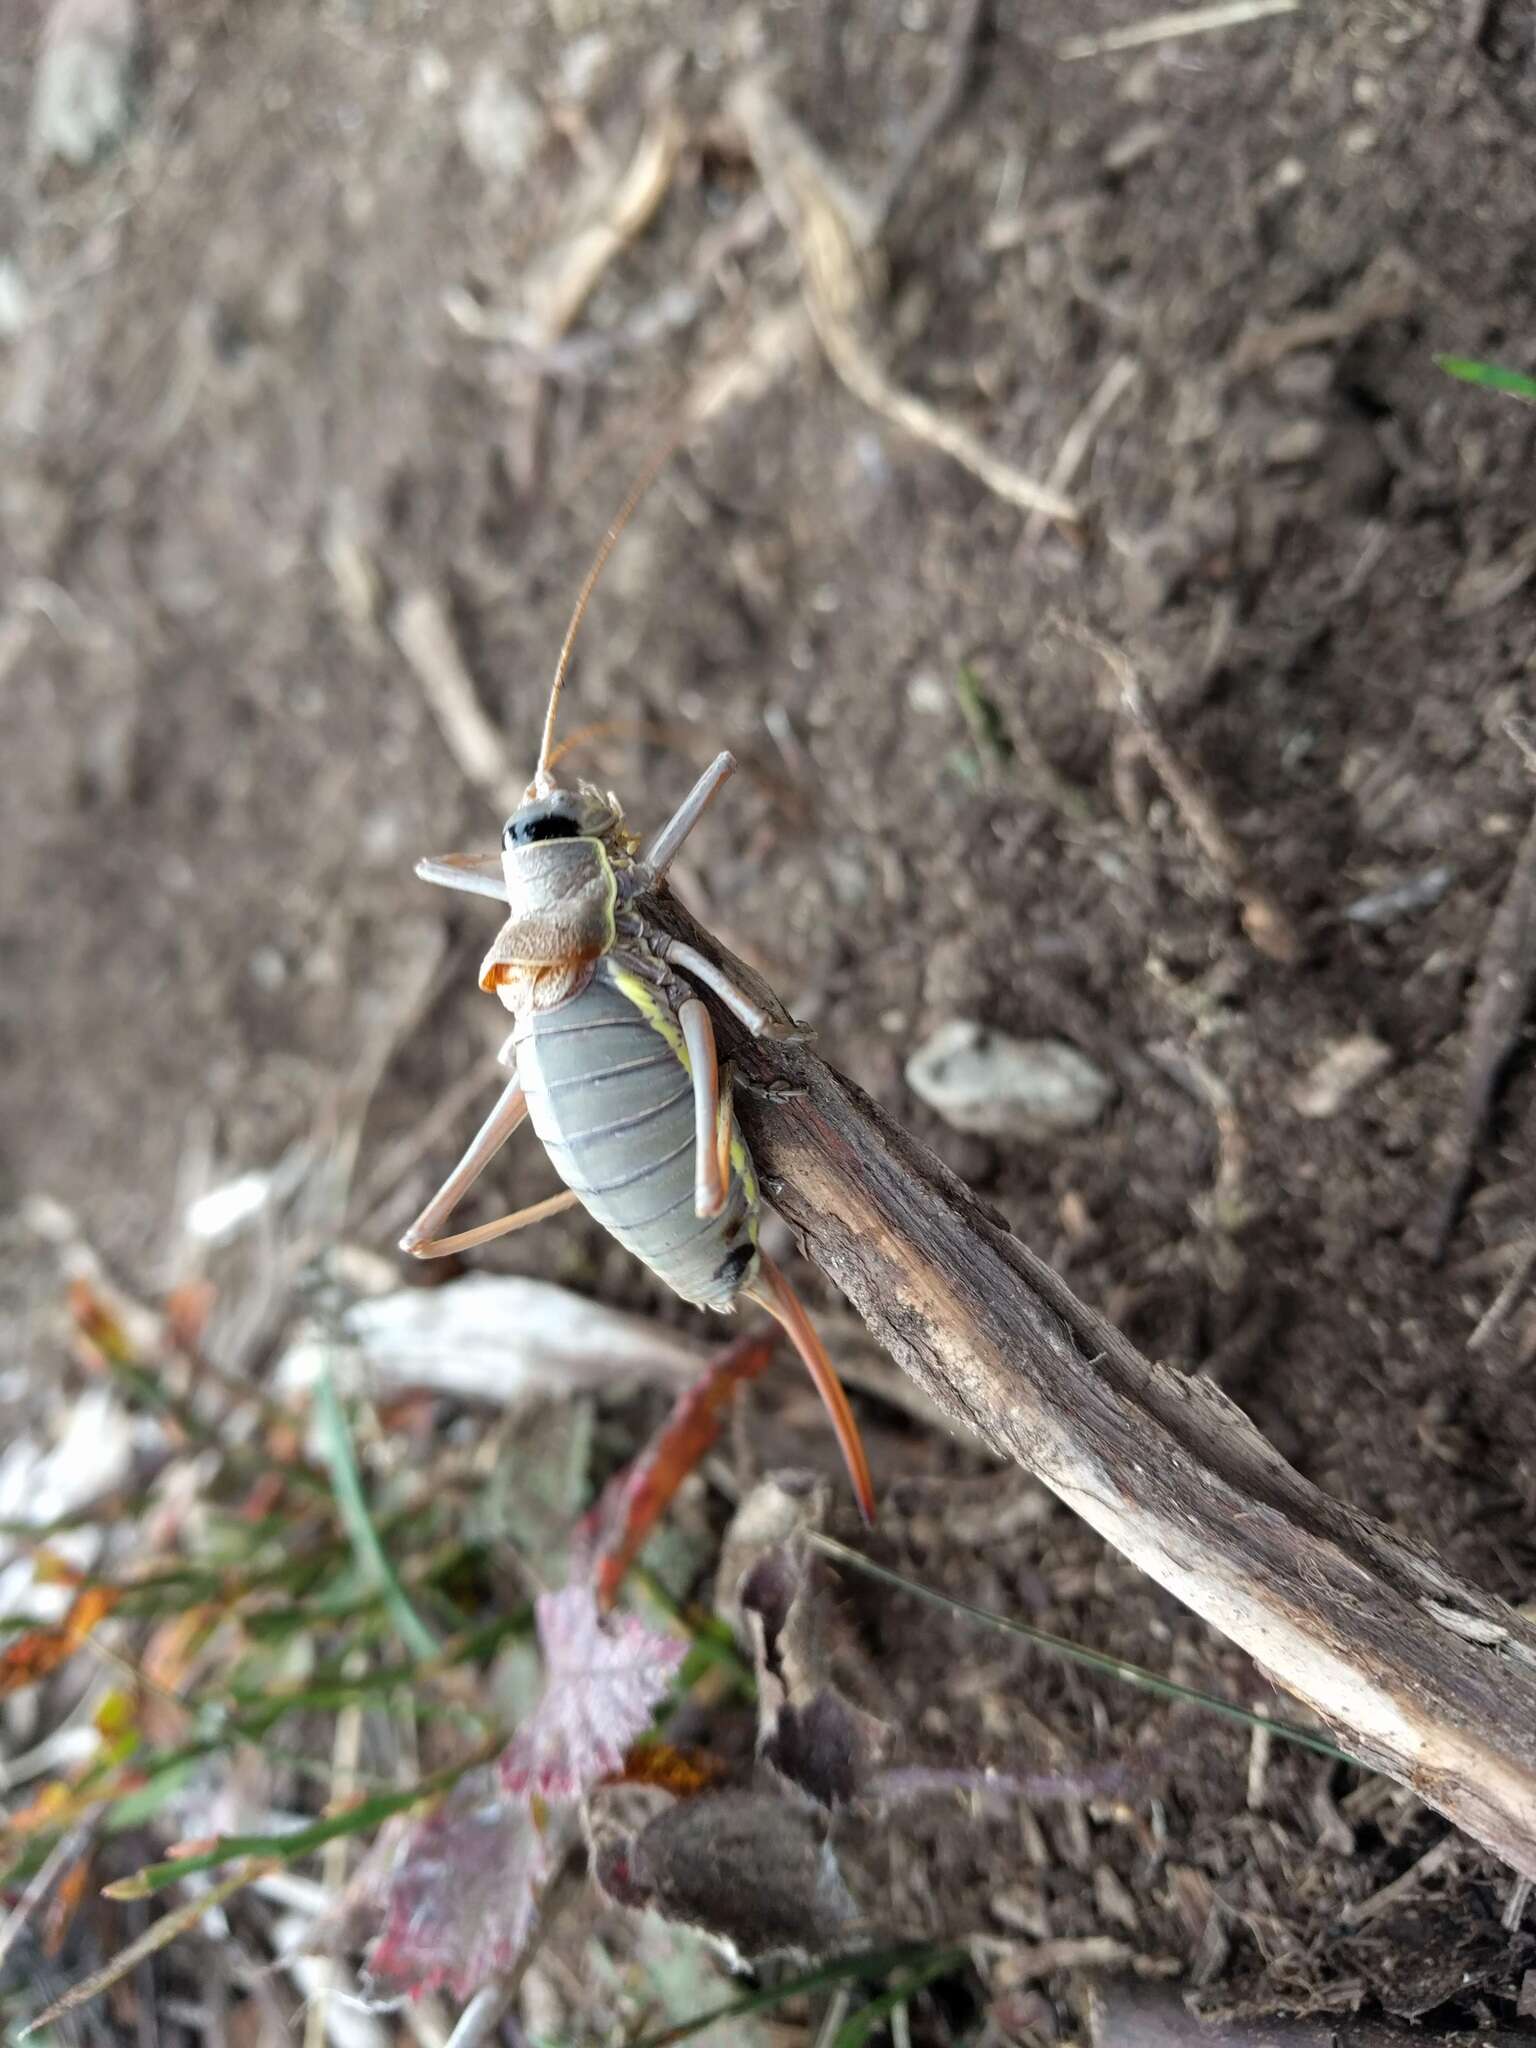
(770, 1290)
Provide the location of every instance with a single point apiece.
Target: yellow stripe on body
(658, 1015)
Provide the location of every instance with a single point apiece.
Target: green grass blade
(1488, 376)
(858, 2026)
(353, 1507)
(989, 735)
(288, 1848)
(711, 1645)
(865, 1964)
(155, 1937)
(1079, 1653)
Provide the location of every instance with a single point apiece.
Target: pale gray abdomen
(613, 1104)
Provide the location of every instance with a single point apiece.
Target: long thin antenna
(676, 737)
(663, 453)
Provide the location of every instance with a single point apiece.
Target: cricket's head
(553, 813)
(585, 816)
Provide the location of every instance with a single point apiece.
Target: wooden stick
(1501, 1001)
(1413, 1671)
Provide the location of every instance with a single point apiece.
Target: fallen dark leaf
(754, 1871)
(809, 1728)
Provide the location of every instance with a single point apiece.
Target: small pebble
(983, 1081)
(1346, 1065)
(268, 969)
(583, 64)
(15, 300)
(499, 125)
(81, 94)
(431, 73)
(926, 694)
(1298, 442)
(1141, 140)
(1419, 892)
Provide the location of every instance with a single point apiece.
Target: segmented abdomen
(611, 1098)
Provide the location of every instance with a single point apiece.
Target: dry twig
(1434, 1860)
(1266, 921)
(424, 635)
(1227, 1207)
(941, 105)
(1381, 298)
(1492, 1320)
(1127, 2012)
(1078, 440)
(1342, 1612)
(482, 2017)
(1506, 982)
(833, 235)
(558, 289)
(1167, 28)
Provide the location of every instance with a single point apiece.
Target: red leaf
(635, 1499)
(33, 1656)
(462, 1894)
(602, 1683)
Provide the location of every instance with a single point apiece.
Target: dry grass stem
(1167, 28)
(53, 1865)
(1226, 1207)
(1493, 1318)
(1260, 347)
(1501, 1001)
(1266, 921)
(483, 2015)
(781, 341)
(563, 282)
(1445, 1851)
(832, 235)
(346, 1750)
(425, 636)
(941, 104)
(158, 1935)
(1077, 442)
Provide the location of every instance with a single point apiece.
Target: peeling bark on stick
(1415, 1672)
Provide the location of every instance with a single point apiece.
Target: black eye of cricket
(529, 831)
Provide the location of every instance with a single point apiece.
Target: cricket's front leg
(663, 849)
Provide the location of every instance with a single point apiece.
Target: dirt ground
(246, 413)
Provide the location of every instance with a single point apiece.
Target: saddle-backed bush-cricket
(612, 1050)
